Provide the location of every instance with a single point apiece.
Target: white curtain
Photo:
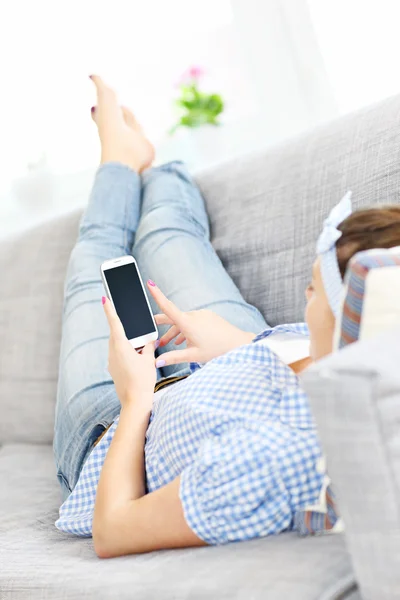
(283, 56)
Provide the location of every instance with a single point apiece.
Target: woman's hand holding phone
(134, 374)
(207, 335)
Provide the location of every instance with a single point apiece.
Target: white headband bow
(326, 250)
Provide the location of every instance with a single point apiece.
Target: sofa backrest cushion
(32, 272)
(266, 211)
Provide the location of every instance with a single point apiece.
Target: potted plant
(195, 107)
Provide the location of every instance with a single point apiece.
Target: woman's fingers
(148, 349)
(162, 319)
(180, 339)
(175, 357)
(168, 307)
(169, 335)
(116, 329)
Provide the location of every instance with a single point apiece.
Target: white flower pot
(199, 147)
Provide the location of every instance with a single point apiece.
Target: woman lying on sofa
(175, 454)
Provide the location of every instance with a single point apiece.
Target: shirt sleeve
(234, 490)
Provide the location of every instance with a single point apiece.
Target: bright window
(48, 49)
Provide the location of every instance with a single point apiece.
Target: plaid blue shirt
(240, 433)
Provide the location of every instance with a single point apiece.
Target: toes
(94, 114)
(130, 118)
(98, 82)
(107, 111)
(105, 94)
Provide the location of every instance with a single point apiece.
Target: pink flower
(195, 72)
(192, 73)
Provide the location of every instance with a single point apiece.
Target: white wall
(360, 45)
(49, 48)
(261, 55)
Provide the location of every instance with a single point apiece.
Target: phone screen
(129, 300)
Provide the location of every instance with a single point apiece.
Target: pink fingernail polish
(93, 109)
(156, 344)
(151, 282)
(160, 363)
(103, 299)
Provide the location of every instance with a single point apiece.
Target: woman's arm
(126, 521)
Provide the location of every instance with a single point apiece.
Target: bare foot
(122, 138)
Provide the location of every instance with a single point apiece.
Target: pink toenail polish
(151, 282)
(103, 299)
(93, 109)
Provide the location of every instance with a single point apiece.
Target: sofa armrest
(355, 397)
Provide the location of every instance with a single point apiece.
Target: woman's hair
(367, 229)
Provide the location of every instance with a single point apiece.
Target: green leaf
(197, 108)
(215, 104)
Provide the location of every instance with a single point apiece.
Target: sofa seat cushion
(38, 561)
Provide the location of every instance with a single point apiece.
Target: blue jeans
(160, 218)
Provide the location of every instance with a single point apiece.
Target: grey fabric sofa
(266, 211)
